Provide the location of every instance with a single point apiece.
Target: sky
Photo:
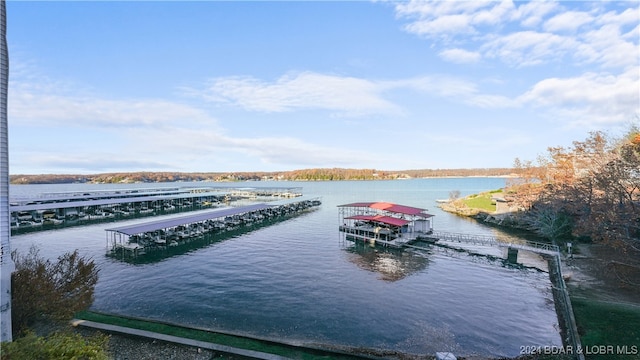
(227, 86)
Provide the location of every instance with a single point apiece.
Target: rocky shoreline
(506, 220)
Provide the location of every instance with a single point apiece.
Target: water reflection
(391, 264)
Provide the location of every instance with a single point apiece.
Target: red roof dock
(384, 223)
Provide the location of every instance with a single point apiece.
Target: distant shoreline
(333, 174)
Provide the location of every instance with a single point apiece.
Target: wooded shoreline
(324, 174)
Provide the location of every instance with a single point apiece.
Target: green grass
(241, 342)
(482, 201)
(605, 328)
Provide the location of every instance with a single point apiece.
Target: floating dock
(139, 239)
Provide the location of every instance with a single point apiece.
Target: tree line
(317, 174)
(587, 192)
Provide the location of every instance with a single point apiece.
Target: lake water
(297, 280)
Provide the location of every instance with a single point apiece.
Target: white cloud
(633, 34)
(178, 146)
(307, 90)
(589, 99)
(447, 24)
(532, 13)
(460, 56)
(30, 104)
(91, 161)
(627, 17)
(445, 18)
(347, 95)
(182, 149)
(607, 46)
(425, 8)
(196, 148)
(437, 85)
(187, 137)
(528, 48)
(454, 89)
(567, 21)
(528, 33)
(494, 15)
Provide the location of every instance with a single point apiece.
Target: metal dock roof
(92, 195)
(182, 220)
(203, 216)
(109, 201)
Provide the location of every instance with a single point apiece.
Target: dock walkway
(540, 248)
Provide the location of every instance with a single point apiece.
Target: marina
(293, 278)
(51, 210)
(139, 239)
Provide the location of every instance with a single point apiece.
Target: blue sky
(270, 86)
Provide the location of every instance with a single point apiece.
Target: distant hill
(324, 174)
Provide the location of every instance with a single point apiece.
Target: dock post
(512, 255)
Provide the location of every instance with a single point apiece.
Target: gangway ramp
(536, 247)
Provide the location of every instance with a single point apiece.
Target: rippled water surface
(298, 280)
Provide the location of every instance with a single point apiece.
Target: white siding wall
(6, 264)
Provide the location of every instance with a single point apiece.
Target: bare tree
(596, 184)
(551, 223)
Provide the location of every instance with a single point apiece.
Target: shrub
(60, 345)
(43, 289)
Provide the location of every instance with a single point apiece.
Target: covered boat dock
(137, 239)
(384, 223)
(48, 210)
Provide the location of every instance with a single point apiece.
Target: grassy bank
(237, 341)
(473, 204)
(608, 330)
(482, 201)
